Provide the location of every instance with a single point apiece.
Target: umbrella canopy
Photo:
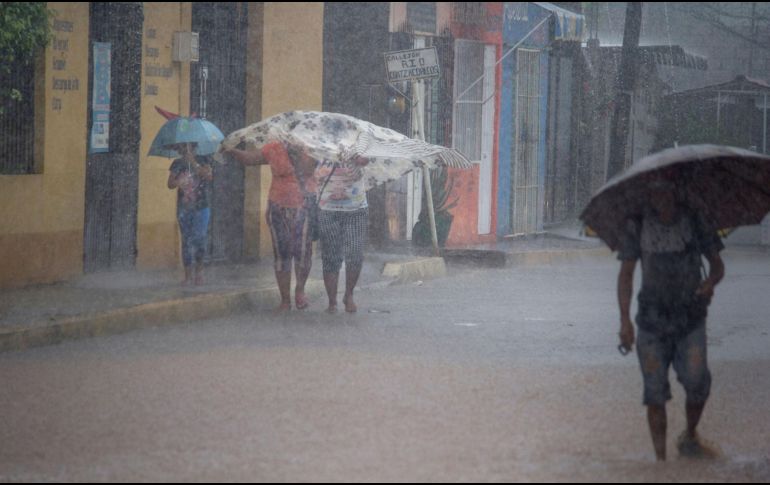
(729, 186)
(338, 138)
(186, 130)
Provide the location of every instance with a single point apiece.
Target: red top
(285, 190)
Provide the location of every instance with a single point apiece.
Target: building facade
(78, 192)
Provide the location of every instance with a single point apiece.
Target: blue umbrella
(186, 130)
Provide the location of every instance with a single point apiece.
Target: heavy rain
(384, 242)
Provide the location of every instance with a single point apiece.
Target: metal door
(218, 93)
(525, 202)
(112, 178)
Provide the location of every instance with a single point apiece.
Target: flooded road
(495, 375)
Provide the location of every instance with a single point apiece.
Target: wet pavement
(488, 375)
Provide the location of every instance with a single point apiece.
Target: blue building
(526, 132)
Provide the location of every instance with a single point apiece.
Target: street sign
(412, 64)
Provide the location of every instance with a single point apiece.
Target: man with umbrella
(670, 240)
(665, 211)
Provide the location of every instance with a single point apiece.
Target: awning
(568, 25)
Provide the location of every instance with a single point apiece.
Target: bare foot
(350, 305)
(283, 307)
(199, 280)
(332, 309)
(695, 447)
(300, 301)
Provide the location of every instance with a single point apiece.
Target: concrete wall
(41, 215)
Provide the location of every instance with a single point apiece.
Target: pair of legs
(343, 237)
(689, 358)
(688, 441)
(284, 287)
(194, 226)
(290, 231)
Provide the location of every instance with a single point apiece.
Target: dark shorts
(689, 358)
(290, 230)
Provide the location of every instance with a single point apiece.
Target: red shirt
(285, 190)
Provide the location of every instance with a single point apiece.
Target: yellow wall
(165, 84)
(292, 72)
(41, 215)
(251, 184)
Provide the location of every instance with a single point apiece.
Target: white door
(487, 141)
(526, 190)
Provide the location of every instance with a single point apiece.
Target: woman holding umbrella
(191, 176)
(192, 139)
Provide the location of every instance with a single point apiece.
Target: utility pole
(624, 94)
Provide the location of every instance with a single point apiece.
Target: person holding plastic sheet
(291, 203)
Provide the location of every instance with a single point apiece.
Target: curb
(159, 314)
(479, 258)
(501, 259)
(533, 258)
(416, 270)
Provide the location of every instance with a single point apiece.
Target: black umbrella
(729, 186)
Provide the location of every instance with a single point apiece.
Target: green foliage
(25, 27)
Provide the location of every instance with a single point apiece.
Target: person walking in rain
(191, 175)
(290, 204)
(342, 225)
(670, 241)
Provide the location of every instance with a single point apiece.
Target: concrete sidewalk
(116, 302)
(561, 243)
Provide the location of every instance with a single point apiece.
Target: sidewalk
(557, 244)
(116, 302)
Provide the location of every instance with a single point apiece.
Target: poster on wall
(100, 115)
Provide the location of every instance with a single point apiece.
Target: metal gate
(561, 174)
(525, 202)
(218, 93)
(112, 178)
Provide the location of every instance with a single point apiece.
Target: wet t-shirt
(194, 192)
(671, 256)
(346, 190)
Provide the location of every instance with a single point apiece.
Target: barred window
(469, 13)
(422, 16)
(17, 121)
(469, 98)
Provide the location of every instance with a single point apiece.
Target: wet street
(487, 375)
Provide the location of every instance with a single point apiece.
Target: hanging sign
(412, 64)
